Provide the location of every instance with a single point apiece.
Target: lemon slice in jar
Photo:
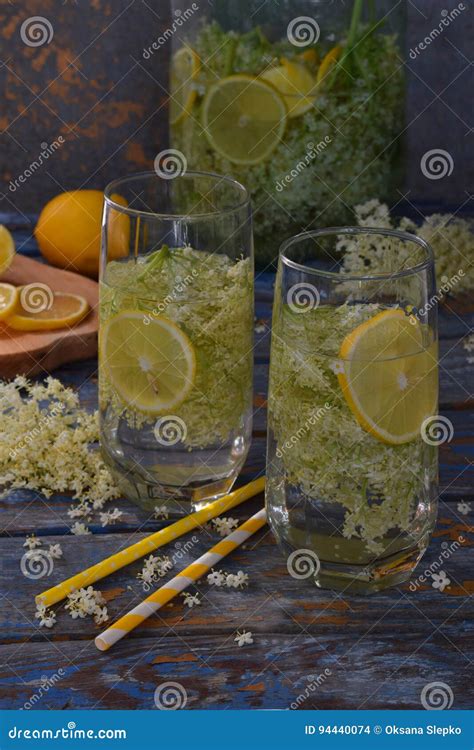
(185, 66)
(243, 118)
(328, 62)
(295, 83)
(150, 361)
(388, 377)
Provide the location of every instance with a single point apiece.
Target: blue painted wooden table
(312, 648)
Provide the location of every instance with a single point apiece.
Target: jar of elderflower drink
(302, 102)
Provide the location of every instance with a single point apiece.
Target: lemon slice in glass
(7, 249)
(389, 376)
(295, 83)
(8, 300)
(150, 361)
(243, 118)
(185, 65)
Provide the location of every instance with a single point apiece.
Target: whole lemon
(69, 228)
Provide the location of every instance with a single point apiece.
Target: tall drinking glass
(351, 468)
(176, 335)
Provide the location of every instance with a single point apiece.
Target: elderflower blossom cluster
(190, 600)
(452, 240)
(47, 442)
(110, 516)
(46, 617)
(224, 526)
(87, 602)
(220, 578)
(154, 568)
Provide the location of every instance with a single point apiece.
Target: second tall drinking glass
(352, 466)
(176, 337)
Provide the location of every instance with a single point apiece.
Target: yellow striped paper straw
(150, 543)
(169, 590)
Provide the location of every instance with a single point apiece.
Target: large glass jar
(302, 101)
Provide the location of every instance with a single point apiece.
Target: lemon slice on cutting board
(55, 310)
(243, 118)
(389, 378)
(295, 83)
(185, 66)
(151, 365)
(7, 249)
(8, 300)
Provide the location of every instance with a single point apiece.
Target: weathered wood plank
(273, 602)
(276, 672)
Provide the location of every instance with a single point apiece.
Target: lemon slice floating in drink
(295, 83)
(244, 118)
(389, 376)
(185, 66)
(150, 360)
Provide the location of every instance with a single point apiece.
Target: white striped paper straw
(185, 578)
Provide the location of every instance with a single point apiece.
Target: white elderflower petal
(55, 551)
(80, 529)
(224, 526)
(244, 638)
(190, 600)
(32, 542)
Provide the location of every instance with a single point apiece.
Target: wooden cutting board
(32, 352)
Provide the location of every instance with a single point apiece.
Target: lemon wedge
(244, 118)
(389, 376)
(60, 311)
(185, 66)
(150, 361)
(7, 249)
(8, 300)
(295, 83)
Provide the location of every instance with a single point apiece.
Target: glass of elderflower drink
(176, 335)
(351, 470)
